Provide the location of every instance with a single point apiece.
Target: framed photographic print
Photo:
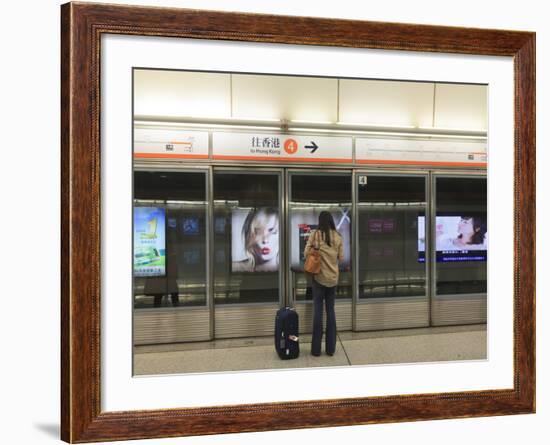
(207, 156)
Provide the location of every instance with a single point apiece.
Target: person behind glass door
(324, 283)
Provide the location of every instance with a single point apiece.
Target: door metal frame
(427, 231)
(284, 174)
(354, 250)
(405, 173)
(279, 172)
(207, 170)
(208, 188)
(210, 247)
(445, 174)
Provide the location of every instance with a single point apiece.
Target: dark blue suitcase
(286, 333)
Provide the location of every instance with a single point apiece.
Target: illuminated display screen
(149, 242)
(458, 238)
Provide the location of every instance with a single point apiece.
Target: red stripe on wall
(453, 164)
(169, 155)
(271, 158)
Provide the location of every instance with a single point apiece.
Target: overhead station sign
(421, 152)
(285, 148)
(281, 147)
(162, 143)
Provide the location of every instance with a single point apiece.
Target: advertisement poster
(255, 239)
(149, 242)
(305, 220)
(457, 238)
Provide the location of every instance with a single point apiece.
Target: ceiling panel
(284, 97)
(311, 99)
(181, 93)
(380, 102)
(461, 107)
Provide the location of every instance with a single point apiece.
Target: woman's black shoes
(316, 354)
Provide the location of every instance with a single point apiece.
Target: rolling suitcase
(286, 333)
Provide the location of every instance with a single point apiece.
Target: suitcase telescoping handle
(293, 338)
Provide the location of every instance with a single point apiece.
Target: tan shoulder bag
(312, 264)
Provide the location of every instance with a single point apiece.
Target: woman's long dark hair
(480, 228)
(326, 223)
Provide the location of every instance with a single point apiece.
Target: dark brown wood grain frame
(82, 25)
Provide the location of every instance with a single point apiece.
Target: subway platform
(433, 344)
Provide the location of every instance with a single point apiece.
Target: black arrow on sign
(313, 147)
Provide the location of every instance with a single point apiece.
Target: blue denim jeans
(326, 294)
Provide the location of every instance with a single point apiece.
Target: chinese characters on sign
(281, 147)
(266, 142)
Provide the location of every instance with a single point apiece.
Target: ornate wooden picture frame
(82, 26)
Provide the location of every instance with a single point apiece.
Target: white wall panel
(386, 102)
(181, 93)
(461, 107)
(376, 102)
(282, 97)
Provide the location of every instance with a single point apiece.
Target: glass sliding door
(391, 251)
(170, 231)
(170, 264)
(246, 238)
(310, 194)
(247, 250)
(460, 254)
(391, 234)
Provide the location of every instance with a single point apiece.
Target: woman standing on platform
(329, 243)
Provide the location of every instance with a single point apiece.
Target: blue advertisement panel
(149, 242)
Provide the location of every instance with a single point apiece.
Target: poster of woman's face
(255, 240)
(464, 232)
(457, 238)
